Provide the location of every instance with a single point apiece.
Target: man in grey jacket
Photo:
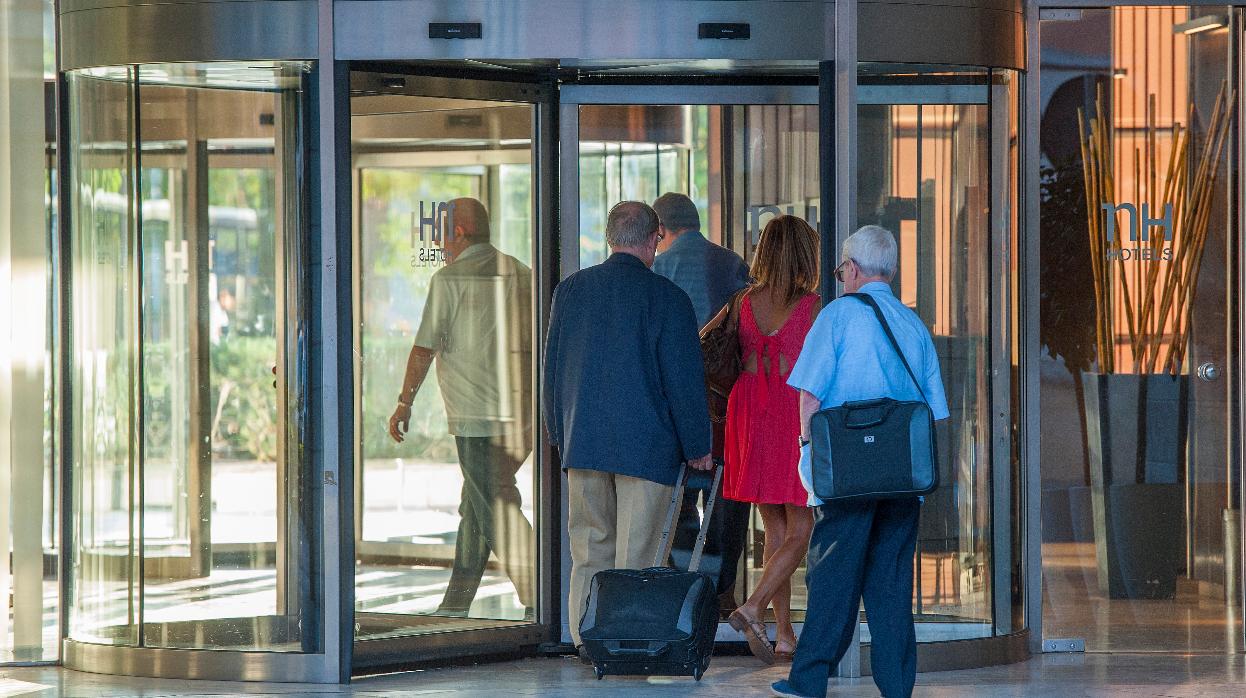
(710, 274)
(623, 399)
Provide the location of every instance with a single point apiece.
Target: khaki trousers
(613, 521)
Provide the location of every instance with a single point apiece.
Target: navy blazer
(623, 389)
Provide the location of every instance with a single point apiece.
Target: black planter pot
(1136, 427)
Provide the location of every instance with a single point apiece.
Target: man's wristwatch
(803, 441)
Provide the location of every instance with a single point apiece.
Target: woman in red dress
(763, 422)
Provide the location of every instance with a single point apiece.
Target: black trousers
(860, 550)
(490, 520)
(724, 541)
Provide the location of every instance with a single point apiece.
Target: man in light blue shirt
(861, 549)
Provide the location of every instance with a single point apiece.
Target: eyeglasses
(661, 235)
(843, 267)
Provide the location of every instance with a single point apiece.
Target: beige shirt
(478, 321)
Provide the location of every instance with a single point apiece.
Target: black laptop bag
(658, 621)
(875, 449)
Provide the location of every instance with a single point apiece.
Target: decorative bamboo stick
(1154, 294)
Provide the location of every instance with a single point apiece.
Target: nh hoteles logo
(1140, 225)
(426, 250)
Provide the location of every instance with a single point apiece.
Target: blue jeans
(860, 550)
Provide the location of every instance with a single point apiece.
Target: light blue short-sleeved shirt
(846, 356)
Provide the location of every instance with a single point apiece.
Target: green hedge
(246, 423)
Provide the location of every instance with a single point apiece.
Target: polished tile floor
(1058, 676)
(1073, 607)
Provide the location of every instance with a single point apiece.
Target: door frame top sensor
(455, 30)
(724, 30)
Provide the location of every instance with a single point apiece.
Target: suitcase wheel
(599, 671)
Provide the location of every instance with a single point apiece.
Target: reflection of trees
(244, 252)
(244, 401)
(1065, 304)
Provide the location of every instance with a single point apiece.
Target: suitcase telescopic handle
(672, 515)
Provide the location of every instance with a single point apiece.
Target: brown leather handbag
(720, 350)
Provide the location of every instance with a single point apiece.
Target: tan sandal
(784, 655)
(755, 632)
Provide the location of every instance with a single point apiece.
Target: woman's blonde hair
(786, 259)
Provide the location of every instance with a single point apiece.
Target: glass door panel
(444, 233)
(103, 604)
(1140, 276)
(212, 337)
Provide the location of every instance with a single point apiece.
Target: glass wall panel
(104, 373)
(1140, 311)
(444, 235)
(186, 311)
(29, 490)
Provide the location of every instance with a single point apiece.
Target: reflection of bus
(241, 264)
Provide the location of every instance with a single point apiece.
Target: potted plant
(1146, 248)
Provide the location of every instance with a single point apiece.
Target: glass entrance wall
(1140, 317)
(185, 312)
(444, 235)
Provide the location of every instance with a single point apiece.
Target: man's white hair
(873, 248)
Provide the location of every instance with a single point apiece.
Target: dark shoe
(727, 604)
(783, 689)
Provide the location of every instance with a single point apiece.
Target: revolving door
(192, 516)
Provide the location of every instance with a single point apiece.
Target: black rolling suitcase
(658, 621)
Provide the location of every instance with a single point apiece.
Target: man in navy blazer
(623, 397)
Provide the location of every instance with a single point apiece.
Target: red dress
(763, 412)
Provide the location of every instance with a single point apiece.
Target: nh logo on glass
(1140, 228)
(427, 251)
(756, 212)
